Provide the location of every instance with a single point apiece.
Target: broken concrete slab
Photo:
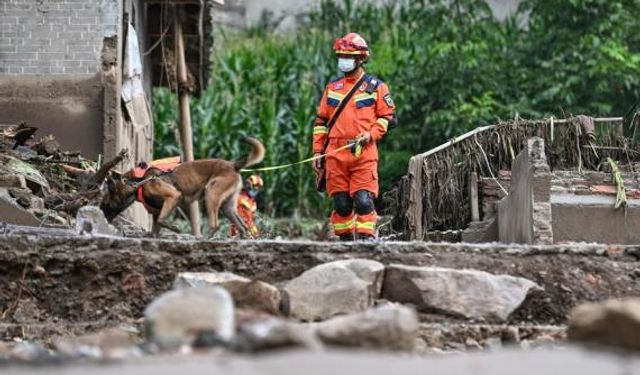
(181, 317)
(247, 294)
(11, 212)
(470, 294)
(334, 288)
(91, 220)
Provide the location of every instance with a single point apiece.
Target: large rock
(91, 220)
(469, 294)
(181, 317)
(610, 323)
(390, 326)
(335, 288)
(247, 294)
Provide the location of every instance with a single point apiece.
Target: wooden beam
(473, 194)
(185, 115)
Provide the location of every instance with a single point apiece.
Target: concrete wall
(583, 208)
(70, 107)
(524, 216)
(593, 218)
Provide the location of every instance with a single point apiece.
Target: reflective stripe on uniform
(320, 130)
(342, 226)
(365, 96)
(384, 122)
(247, 203)
(366, 225)
(335, 95)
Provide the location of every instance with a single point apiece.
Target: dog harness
(166, 165)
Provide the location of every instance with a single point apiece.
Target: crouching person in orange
(356, 109)
(247, 205)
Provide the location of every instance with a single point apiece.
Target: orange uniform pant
(349, 173)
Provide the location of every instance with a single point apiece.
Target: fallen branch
(103, 172)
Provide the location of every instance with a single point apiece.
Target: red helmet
(352, 44)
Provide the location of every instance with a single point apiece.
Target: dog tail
(256, 156)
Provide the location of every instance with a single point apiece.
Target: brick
(7, 20)
(16, 70)
(85, 56)
(57, 70)
(37, 70)
(25, 56)
(48, 56)
(72, 27)
(39, 42)
(41, 63)
(71, 70)
(68, 63)
(7, 49)
(84, 21)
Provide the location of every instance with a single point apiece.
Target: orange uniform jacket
(247, 207)
(370, 110)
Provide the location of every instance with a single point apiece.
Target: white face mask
(346, 65)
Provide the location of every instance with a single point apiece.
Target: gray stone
(275, 333)
(335, 288)
(91, 220)
(389, 327)
(247, 294)
(180, 317)
(109, 343)
(611, 323)
(466, 293)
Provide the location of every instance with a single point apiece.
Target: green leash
(314, 158)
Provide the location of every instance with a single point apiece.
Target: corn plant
(450, 66)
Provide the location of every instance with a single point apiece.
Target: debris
(614, 323)
(247, 294)
(47, 146)
(26, 170)
(181, 317)
(11, 212)
(90, 220)
(334, 288)
(109, 343)
(469, 294)
(274, 333)
(391, 326)
(20, 134)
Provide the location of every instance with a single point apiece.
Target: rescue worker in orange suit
(247, 205)
(352, 174)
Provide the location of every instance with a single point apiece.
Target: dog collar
(140, 198)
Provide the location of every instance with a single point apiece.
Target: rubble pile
(43, 185)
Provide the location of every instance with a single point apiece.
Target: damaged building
(83, 71)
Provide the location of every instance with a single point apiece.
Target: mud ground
(76, 284)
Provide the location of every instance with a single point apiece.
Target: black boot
(346, 237)
(366, 237)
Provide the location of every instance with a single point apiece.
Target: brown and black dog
(218, 180)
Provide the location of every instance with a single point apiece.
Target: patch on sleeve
(338, 85)
(389, 101)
